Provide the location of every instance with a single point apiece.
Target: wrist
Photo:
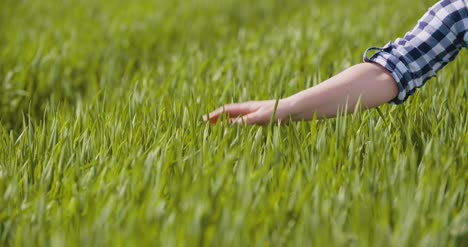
(289, 106)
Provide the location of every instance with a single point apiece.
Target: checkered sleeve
(435, 41)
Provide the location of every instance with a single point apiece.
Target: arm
(367, 82)
(392, 74)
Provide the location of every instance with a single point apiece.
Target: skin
(367, 85)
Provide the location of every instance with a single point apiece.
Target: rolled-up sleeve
(434, 42)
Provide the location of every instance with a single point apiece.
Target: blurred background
(61, 52)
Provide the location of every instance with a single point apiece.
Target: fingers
(256, 118)
(231, 110)
(259, 118)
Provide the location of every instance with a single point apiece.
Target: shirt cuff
(397, 68)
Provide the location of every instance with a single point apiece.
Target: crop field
(102, 141)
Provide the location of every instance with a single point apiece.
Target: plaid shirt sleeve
(434, 42)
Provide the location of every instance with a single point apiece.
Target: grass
(102, 143)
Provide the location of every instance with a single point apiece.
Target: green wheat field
(102, 141)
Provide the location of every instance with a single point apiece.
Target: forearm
(367, 83)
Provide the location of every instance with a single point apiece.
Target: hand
(252, 112)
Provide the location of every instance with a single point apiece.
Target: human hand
(252, 112)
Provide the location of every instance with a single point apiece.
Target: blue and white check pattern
(435, 41)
